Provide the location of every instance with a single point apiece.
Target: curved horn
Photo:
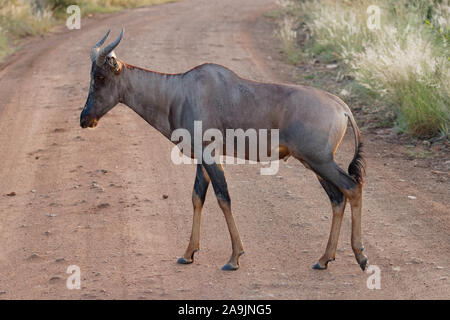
(94, 50)
(106, 50)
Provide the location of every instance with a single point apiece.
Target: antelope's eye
(100, 77)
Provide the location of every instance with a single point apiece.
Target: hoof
(363, 264)
(182, 260)
(317, 266)
(229, 267)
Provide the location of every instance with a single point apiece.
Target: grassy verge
(99, 6)
(400, 63)
(22, 18)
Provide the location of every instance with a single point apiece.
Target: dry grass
(21, 18)
(404, 63)
(288, 36)
(18, 19)
(106, 6)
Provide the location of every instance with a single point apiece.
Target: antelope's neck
(151, 95)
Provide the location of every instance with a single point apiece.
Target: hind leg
(355, 199)
(198, 198)
(338, 202)
(352, 191)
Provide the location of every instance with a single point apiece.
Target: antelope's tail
(357, 169)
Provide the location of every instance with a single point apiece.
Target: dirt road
(94, 198)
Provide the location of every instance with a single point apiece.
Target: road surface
(94, 198)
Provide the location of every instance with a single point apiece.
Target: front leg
(198, 199)
(217, 176)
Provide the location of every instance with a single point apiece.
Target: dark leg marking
(219, 183)
(198, 199)
(335, 195)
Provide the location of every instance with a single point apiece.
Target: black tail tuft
(356, 169)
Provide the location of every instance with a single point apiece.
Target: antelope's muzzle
(88, 121)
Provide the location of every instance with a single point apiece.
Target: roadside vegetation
(400, 66)
(22, 18)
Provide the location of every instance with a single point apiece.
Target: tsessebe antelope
(311, 125)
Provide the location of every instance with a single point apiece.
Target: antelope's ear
(114, 64)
